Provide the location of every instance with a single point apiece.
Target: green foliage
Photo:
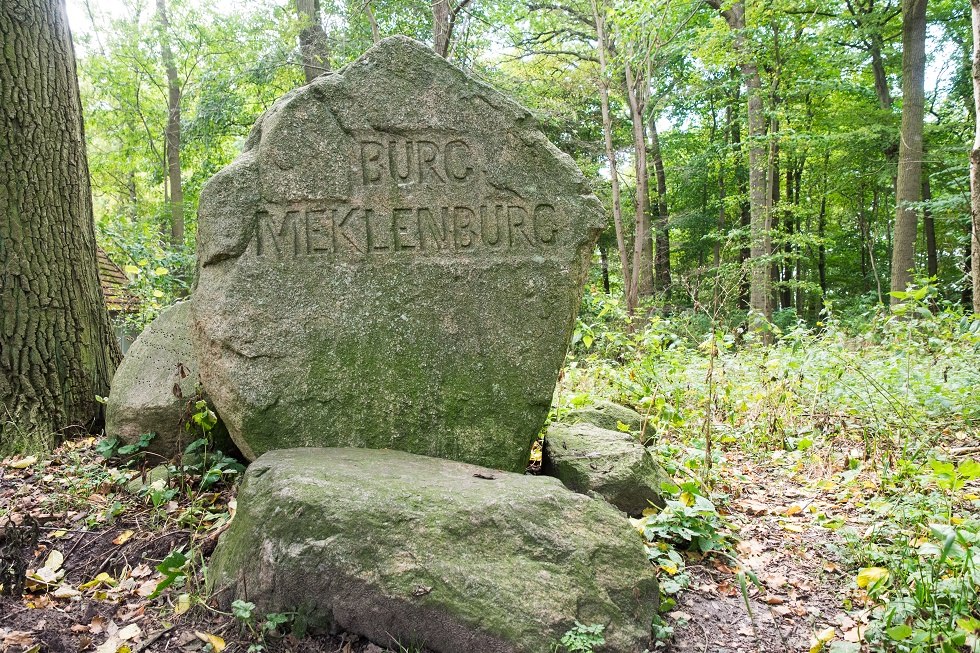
(583, 639)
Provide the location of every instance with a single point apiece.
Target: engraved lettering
(319, 232)
(284, 239)
(463, 227)
(546, 223)
(428, 158)
(372, 165)
(397, 153)
(406, 229)
(458, 158)
(345, 231)
(490, 216)
(432, 227)
(517, 219)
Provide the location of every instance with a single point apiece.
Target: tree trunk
(661, 261)
(881, 78)
(909, 187)
(441, 27)
(643, 244)
(313, 45)
(617, 205)
(604, 260)
(975, 162)
(760, 284)
(929, 226)
(173, 128)
(742, 180)
(57, 350)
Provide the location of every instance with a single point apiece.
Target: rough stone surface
(610, 464)
(435, 553)
(606, 415)
(394, 261)
(155, 385)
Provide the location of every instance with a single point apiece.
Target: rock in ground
(395, 261)
(606, 415)
(433, 553)
(611, 464)
(156, 386)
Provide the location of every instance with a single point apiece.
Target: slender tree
(975, 160)
(445, 13)
(173, 127)
(909, 188)
(760, 280)
(57, 351)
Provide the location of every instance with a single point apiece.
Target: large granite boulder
(156, 386)
(432, 553)
(610, 464)
(394, 261)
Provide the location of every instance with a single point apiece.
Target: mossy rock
(432, 553)
(610, 464)
(606, 415)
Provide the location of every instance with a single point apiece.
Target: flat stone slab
(432, 553)
(609, 464)
(394, 261)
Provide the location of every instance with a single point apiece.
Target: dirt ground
(101, 531)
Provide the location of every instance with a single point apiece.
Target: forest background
(748, 153)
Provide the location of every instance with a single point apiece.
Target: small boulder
(156, 385)
(610, 464)
(432, 553)
(605, 415)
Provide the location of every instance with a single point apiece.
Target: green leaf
(899, 633)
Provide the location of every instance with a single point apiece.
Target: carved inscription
(353, 232)
(392, 210)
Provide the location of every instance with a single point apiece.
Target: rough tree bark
(444, 15)
(173, 127)
(760, 281)
(313, 45)
(57, 351)
(909, 187)
(975, 161)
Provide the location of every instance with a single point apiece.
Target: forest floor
(103, 545)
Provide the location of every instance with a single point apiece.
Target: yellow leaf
(183, 604)
(161, 271)
(822, 638)
(101, 579)
(971, 497)
(216, 642)
(23, 463)
(157, 293)
(870, 575)
(792, 528)
(669, 568)
(956, 520)
(54, 561)
(687, 498)
(59, 533)
(131, 270)
(792, 510)
(123, 537)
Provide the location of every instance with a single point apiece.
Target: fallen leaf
(66, 592)
(792, 510)
(216, 642)
(870, 575)
(183, 604)
(102, 579)
(123, 537)
(23, 463)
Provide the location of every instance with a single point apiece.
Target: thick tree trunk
(57, 351)
(975, 162)
(661, 260)
(909, 187)
(173, 128)
(617, 204)
(313, 45)
(742, 180)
